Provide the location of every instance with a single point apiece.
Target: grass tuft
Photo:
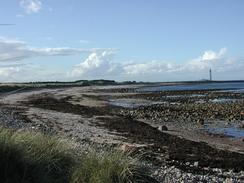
(109, 167)
(27, 157)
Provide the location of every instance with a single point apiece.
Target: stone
(196, 164)
(242, 125)
(128, 148)
(228, 180)
(162, 128)
(200, 121)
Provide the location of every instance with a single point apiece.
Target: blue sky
(157, 40)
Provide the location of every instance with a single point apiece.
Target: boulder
(162, 128)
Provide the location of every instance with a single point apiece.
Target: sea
(224, 86)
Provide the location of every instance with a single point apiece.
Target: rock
(127, 148)
(196, 164)
(162, 128)
(242, 125)
(200, 121)
(228, 180)
(156, 173)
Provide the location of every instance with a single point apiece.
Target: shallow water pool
(220, 129)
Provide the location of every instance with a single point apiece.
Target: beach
(184, 135)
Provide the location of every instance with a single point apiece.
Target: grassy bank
(34, 158)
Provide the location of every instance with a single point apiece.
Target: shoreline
(85, 114)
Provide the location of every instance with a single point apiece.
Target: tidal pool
(227, 130)
(132, 103)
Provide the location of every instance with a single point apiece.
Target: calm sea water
(235, 86)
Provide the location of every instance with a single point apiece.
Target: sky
(141, 40)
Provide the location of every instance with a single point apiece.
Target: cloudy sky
(156, 40)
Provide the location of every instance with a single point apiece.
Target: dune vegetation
(28, 157)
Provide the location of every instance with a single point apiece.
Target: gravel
(169, 174)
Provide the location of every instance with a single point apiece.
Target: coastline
(86, 115)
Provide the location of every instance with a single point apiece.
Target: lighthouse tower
(210, 74)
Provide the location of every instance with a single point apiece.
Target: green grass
(110, 166)
(27, 157)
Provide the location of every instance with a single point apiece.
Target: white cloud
(6, 72)
(29, 72)
(31, 6)
(102, 65)
(222, 67)
(13, 50)
(98, 64)
(149, 67)
(211, 55)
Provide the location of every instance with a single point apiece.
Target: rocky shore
(177, 153)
